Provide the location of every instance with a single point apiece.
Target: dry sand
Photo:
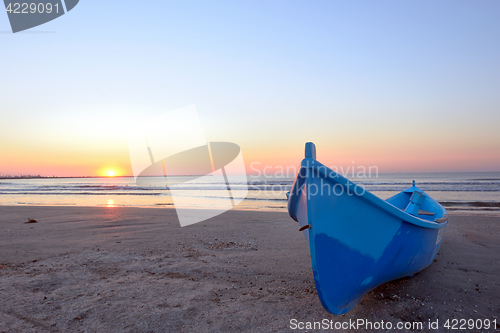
(136, 270)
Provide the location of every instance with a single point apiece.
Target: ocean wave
(429, 183)
(251, 185)
(471, 203)
(429, 189)
(371, 187)
(381, 182)
(267, 199)
(473, 209)
(265, 182)
(266, 189)
(82, 193)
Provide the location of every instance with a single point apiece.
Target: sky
(403, 86)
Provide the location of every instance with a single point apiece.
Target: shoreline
(485, 213)
(131, 269)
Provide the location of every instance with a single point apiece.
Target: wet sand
(136, 270)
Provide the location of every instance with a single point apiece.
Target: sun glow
(111, 170)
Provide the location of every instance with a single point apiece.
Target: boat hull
(357, 240)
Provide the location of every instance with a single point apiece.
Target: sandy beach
(89, 269)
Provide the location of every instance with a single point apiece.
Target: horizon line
(131, 176)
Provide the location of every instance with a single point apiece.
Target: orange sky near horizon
(58, 148)
(97, 160)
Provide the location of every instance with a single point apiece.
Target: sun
(111, 171)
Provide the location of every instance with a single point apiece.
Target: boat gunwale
(311, 163)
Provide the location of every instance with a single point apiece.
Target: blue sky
(367, 81)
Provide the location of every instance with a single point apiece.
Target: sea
(471, 192)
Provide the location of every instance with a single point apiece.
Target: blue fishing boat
(357, 240)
